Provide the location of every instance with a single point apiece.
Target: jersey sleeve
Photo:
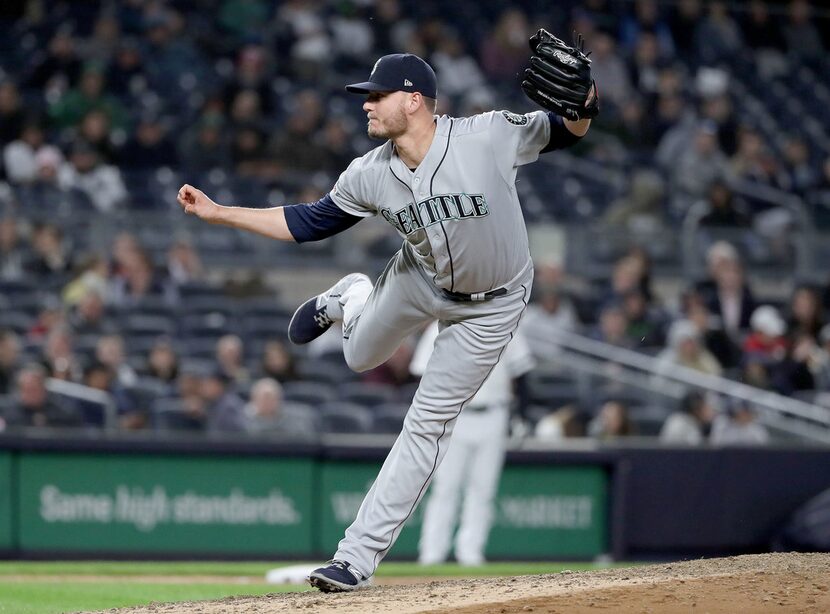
(316, 221)
(518, 139)
(353, 192)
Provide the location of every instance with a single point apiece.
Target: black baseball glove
(559, 77)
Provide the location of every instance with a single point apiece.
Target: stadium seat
(367, 395)
(313, 394)
(342, 417)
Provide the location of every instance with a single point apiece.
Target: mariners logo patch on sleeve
(515, 118)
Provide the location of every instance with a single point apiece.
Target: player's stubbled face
(387, 118)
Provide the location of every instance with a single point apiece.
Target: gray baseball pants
(472, 337)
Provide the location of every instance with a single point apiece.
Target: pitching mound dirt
(759, 584)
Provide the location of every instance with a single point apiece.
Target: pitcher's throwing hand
(196, 202)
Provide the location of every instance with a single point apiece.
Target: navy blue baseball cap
(403, 72)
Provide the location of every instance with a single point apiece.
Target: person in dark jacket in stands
(33, 405)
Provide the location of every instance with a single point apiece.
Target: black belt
(460, 297)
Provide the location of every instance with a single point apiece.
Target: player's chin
(375, 133)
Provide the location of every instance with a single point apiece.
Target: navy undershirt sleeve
(316, 221)
(560, 136)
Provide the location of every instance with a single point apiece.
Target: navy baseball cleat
(315, 316)
(338, 577)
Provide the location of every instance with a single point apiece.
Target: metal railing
(85, 393)
(788, 415)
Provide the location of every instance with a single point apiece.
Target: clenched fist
(196, 202)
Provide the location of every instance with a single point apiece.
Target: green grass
(35, 595)
(57, 597)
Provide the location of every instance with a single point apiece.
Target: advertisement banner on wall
(157, 504)
(540, 510)
(6, 502)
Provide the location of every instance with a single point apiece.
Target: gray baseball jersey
(464, 223)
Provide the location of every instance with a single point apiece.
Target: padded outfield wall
(144, 498)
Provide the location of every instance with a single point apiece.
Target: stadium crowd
(99, 99)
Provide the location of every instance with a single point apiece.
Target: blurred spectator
(309, 44)
(13, 253)
(163, 361)
(56, 68)
(691, 423)
(504, 51)
(685, 349)
(608, 68)
(562, 423)
(710, 327)
(110, 351)
(100, 377)
(136, 280)
(267, 412)
(726, 292)
(50, 252)
(395, 371)
(766, 343)
(752, 160)
(89, 316)
(91, 275)
(100, 182)
(647, 20)
(252, 77)
(50, 315)
(33, 405)
(183, 263)
(803, 38)
(149, 147)
(611, 422)
(551, 310)
(390, 27)
(103, 42)
(646, 64)
(806, 313)
(12, 115)
(19, 155)
(699, 165)
(760, 30)
(459, 71)
(797, 174)
(294, 147)
(683, 23)
(725, 210)
(613, 326)
(88, 96)
(125, 74)
(718, 36)
(223, 408)
(819, 360)
(230, 356)
(717, 106)
(205, 145)
(171, 60)
(9, 359)
(646, 322)
(95, 130)
(796, 371)
(738, 426)
(641, 208)
(277, 362)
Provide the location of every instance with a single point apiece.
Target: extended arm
(268, 222)
(299, 223)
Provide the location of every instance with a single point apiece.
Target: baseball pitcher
(447, 185)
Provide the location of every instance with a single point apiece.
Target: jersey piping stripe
(444, 230)
(443, 432)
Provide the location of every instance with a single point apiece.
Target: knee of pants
(359, 361)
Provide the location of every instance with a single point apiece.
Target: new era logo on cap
(390, 71)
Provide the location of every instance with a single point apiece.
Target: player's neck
(412, 146)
